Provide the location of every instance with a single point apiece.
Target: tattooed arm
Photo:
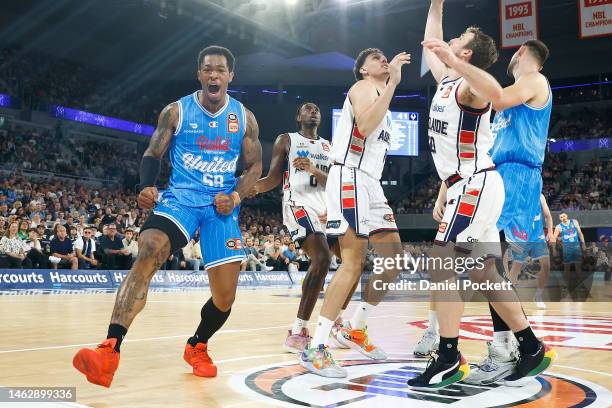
(150, 165)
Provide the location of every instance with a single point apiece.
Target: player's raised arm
(522, 91)
(433, 31)
(369, 107)
(481, 86)
(274, 176)
(251, 156)
(151, 160)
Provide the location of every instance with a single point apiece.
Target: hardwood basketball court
(41, 332)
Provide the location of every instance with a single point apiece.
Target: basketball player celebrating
(572, 242)
(356, 206)
(521, 130)
(305, 156)
(207, 132)
(471, 195)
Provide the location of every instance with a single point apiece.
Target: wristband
(236, 198)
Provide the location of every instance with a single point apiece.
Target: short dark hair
(299, 109)
(484, 51)
(361, 60)
(217, 50)
(539, 50)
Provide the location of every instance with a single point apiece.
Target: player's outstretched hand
(395, 67)
(442, 50)
(224, 204)
(147, 198)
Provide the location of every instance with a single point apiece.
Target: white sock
(298, 325)
(322, 331)
(433, 322)
(358, 321)
(503, 339)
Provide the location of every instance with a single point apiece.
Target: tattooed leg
(154, 250)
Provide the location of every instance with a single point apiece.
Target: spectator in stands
(111, 252)
(13, 250)
(253, 258)
(108, 217)
(130, 241)
(85, 247)
(275, 257)
(62, 251)
(290, 258)
(74, 233)
(122, 223)
(37, 257)
(24, 227)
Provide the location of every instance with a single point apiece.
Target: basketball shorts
(523, 186)
(572, 253)
(301, 221)
(355, 199)
(536, 249)
(220, 237)
(473, 206)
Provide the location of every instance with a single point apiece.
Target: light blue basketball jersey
(569, 233)
(520, 134)
(205, 150)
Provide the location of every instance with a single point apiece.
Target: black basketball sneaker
(440, 372)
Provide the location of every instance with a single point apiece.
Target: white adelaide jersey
(459, 137)
(352, 149)
(300, 187)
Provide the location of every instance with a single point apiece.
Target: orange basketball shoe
(98, 365)
(198, 358)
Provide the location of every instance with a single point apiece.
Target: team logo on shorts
(232, 123)
(372, 383)
(389, 217)
(442, 227)
(234, 243)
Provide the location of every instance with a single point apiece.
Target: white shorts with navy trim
(473, 206)
(355, 199)
(302, 221)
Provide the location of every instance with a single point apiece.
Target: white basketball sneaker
(498, 364)
(428, 343)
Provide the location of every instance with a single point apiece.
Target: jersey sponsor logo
(216, 165)
(219, 143)
(193, 125)
(501, 121)
(383, 383)
(234, 243)
(522, 235)
(333, 224)
(437, 108)
(384, 136)
(572, 331)
(232, 123)
(213, 124)
(438, 126)
(301, 153)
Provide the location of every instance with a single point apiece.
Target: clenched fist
(224, 203)
(147, 198)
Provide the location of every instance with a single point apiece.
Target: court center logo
(383, 384)
(581, 332)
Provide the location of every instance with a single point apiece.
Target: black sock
(116, 331)
(498, 324)
(528, 342)
(212, 320)
(448, 348)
